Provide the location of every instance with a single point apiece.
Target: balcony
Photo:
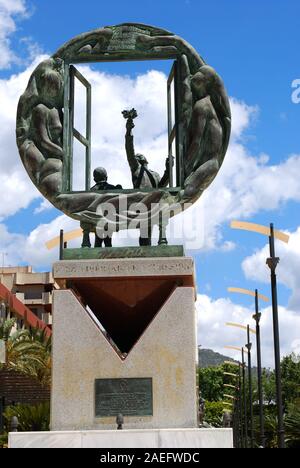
(33, 278)
(43, 300)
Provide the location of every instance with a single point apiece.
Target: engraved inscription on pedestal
(125, 267)
(130, 397)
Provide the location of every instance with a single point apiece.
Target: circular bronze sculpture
(44, 124)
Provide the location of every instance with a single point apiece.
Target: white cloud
(242, 116)
(255, 267)
(31, 250)
(111, 95)
(212, 332)
(9, 10)
(17, 191)
(45, 205)
(245, 185)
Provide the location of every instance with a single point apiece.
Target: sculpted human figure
(207, 133)
(42, 150)
(205, 116)
(142, 176)
(100, 177)
(203, 129)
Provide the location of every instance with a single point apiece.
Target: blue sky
(254, 47)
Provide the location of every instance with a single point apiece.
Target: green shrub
(31, 417)
(292, 425)
(214, 413)
(3, 440)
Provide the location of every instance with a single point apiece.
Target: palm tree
(292, 425)
(27, 351)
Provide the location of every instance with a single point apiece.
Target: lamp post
(236, 414)
(238, 388)
(272, 263)
(257, 318)
(249, 347)
(243, 386)
(244, 398)
(241, 406)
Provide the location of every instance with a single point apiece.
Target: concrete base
(152, 303)
(155, 438)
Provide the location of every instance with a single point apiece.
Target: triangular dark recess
(124, 307)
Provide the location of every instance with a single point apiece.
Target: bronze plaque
(130, 397)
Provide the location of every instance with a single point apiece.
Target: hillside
(209, 358)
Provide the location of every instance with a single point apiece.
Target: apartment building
(33, 289)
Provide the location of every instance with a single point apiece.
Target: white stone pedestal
(160, 438)
(122, 292)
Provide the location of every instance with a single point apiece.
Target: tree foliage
(290, 375)
(27, 351)
(30, 417)
(214, 413)
(212, 380)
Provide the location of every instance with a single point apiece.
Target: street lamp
(238, 389)
(232, 363)
(272, 263)
(231, 374)
(243, 385)
(249, 347)
(231, 386)
(257, 318)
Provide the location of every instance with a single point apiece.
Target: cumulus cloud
(212, 332)
(31, 249)
(9, 11)
(17, 191)
(255, 267)
(246, 184)
(111, 94)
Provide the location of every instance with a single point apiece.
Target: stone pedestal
(121, 319)
(144, 438)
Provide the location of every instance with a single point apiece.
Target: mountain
(209, 358)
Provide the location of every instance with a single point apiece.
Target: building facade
(34, 290)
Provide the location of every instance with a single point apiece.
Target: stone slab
(166, 353)
(124, 252)
(156, 438)
(113, 268)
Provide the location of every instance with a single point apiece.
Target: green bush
(292, 425)
(31, 417)
(214, 413)
(3, 440)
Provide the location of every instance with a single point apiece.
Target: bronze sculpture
(142, 177)
(45, 128)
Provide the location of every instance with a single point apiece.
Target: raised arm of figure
(129, 145)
